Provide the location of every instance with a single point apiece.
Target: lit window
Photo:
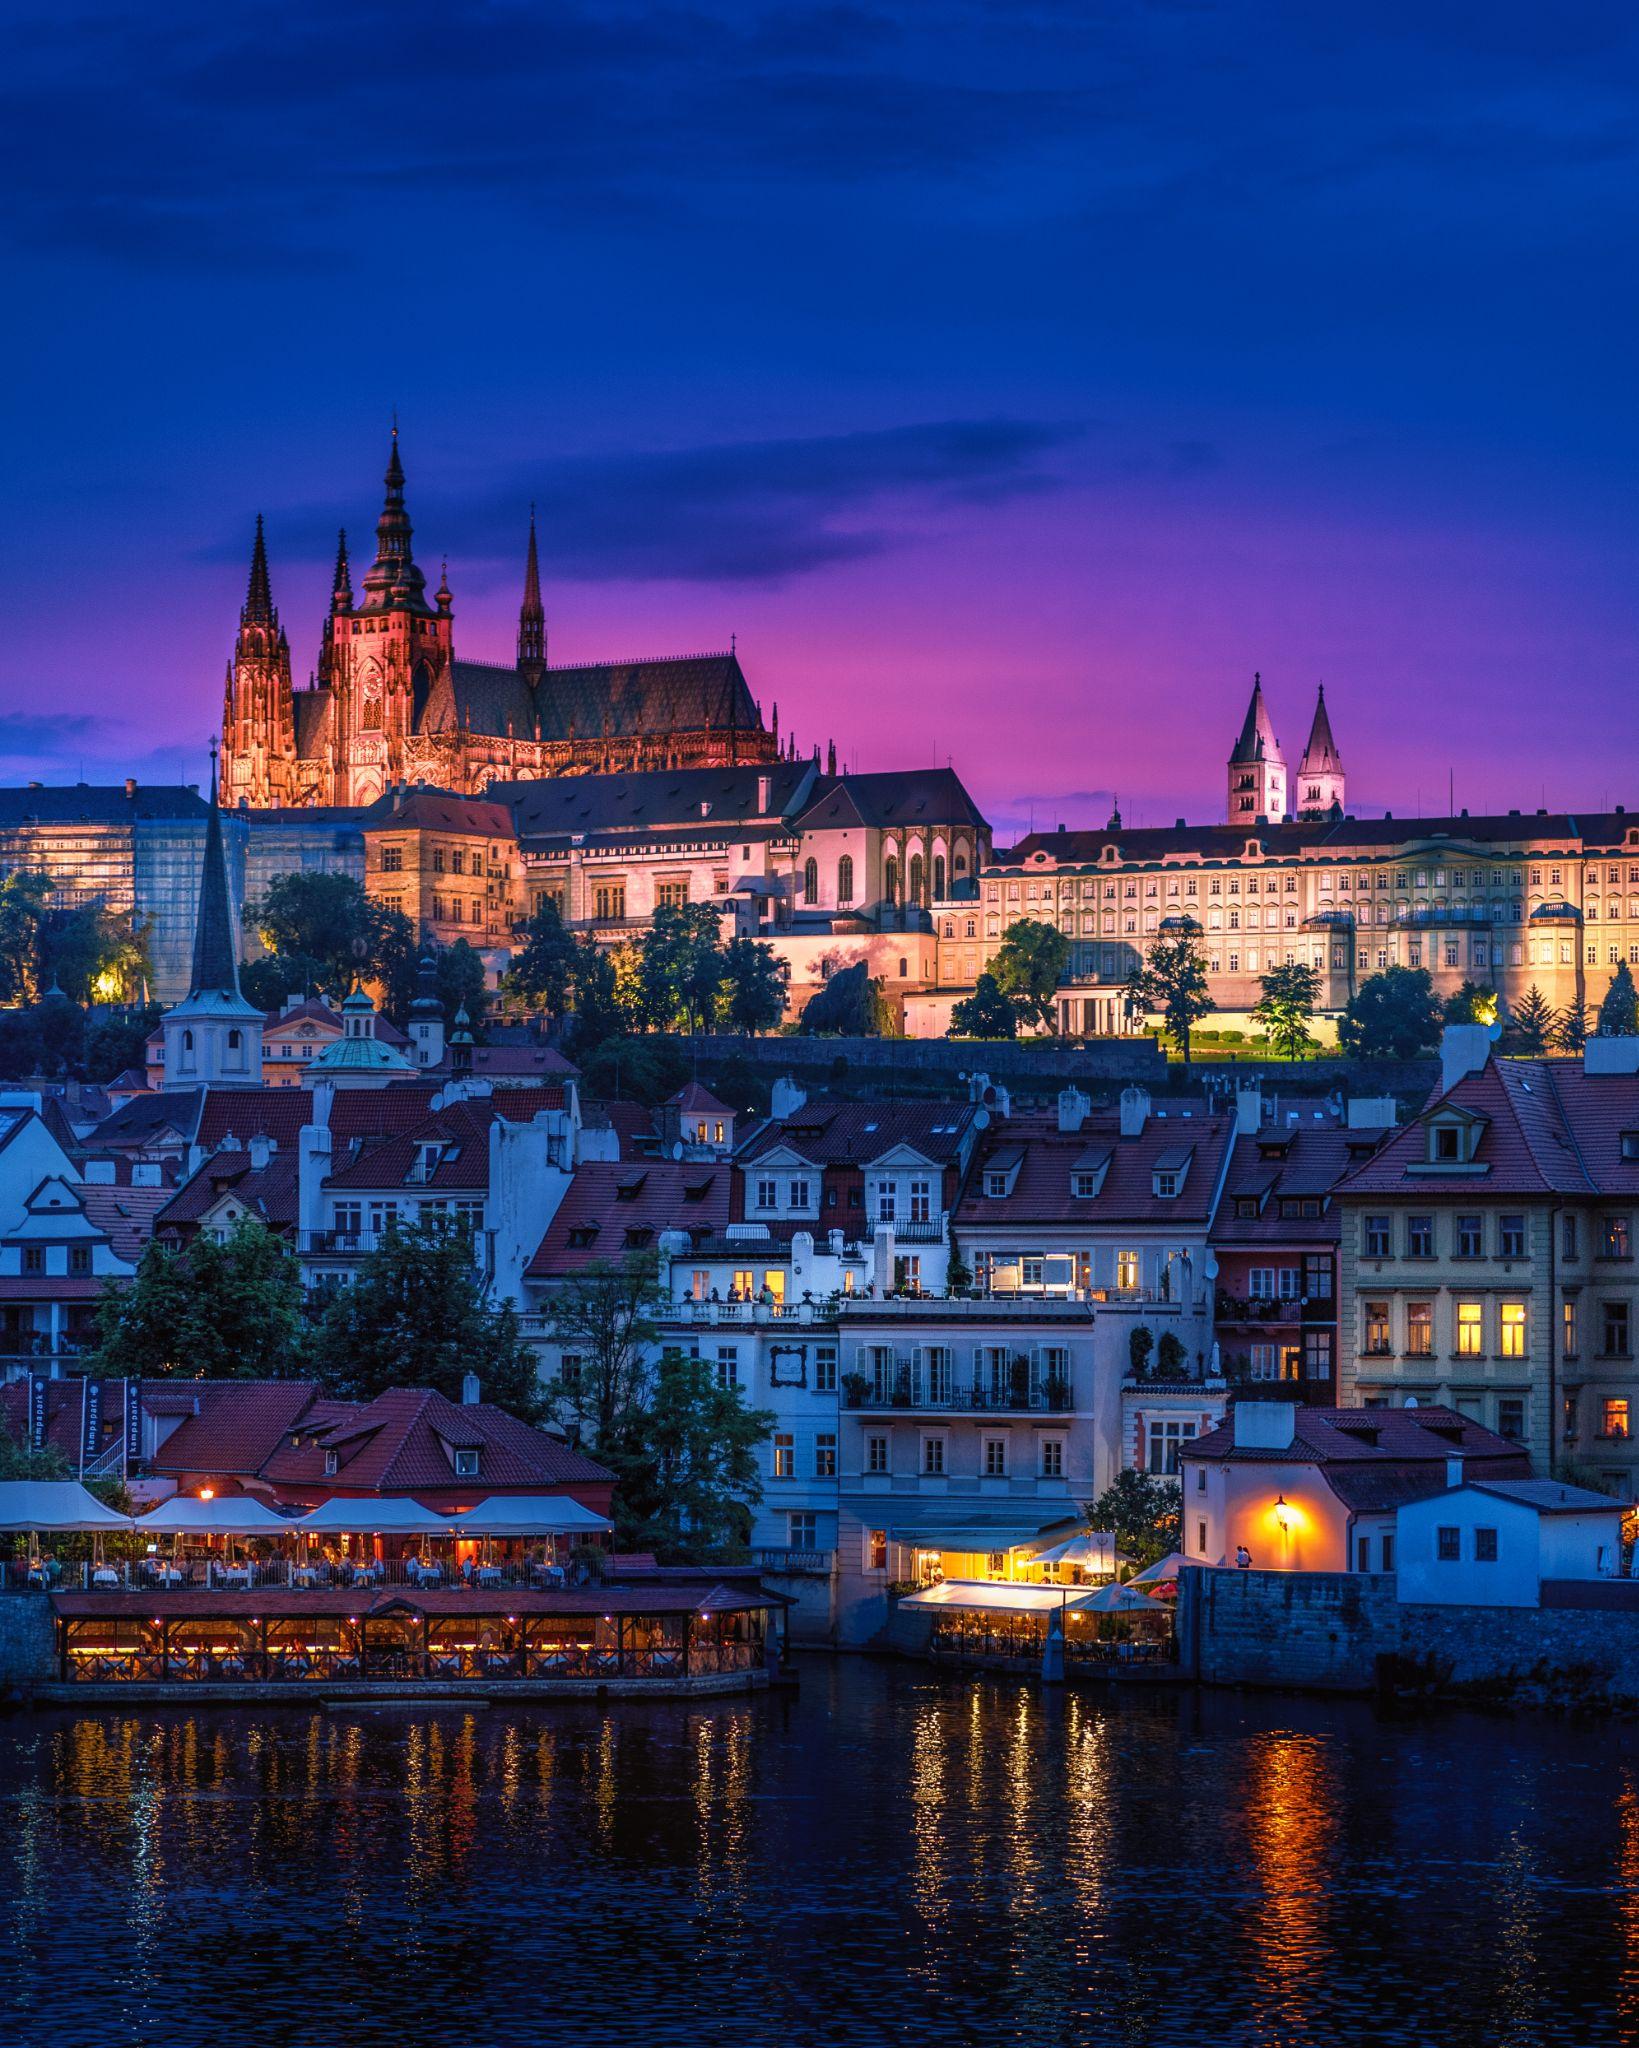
(1513, 1329)
(1615, 1422)
(1470, 1329)
(785, 1457)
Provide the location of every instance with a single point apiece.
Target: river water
(891, 1855)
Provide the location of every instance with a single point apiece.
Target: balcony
(908, 1230)
(932, 1390)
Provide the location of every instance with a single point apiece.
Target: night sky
(1013, 379)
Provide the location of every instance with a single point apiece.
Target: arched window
(904, 969)
(810, 881)
(961, 864)
(890, 878)
(917, 872)
(235, 1040)
(845, 879)
(938, 878)
(187, 1041)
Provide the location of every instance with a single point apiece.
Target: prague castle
(390, 704)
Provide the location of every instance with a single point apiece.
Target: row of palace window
(452, 910)
(1468, 1329)
(995, 1455)
(1287, 881)
(1613, 1233)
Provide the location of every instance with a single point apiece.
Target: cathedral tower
(1320, 772)
(532, 617)
(1257, 767)
(258, 717)
(390, 655)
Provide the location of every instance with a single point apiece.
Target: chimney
(1265, 1425)
(261, 1150)
(1135, 1111)
(1248, 1110)
(130, 785)
(469, 1390)
(1464, 1049)
(765, 794)
(1454, 1472)
(1073, 1108)
(1601, 1055)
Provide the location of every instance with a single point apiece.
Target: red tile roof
(693, 1098)
(1371, 1436)
(1040, 1159)
(1310, 1161)
(1527, 1144)
(126, 1214)
(396, 1444)
(268, 1191)
(827, 1132)
(609, 1210)
(237, 1425)
(631, 1122)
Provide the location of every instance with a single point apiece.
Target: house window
(466, 1464)
(825, 1456)
(79, 1258)
(825, 1369)
(1485, 1546)
(1084, 1186)
(34, 1258)
(1614, 1240)
(1317, 1354)
(802, 1529)
(1614, 1316)
(1052, 1457)
(921, 1201)
(1614, 1417)
(768, 1194)
(876, 1550)
(845, 879)
(1260, 1283)
(1419, 1237)
(1447, 1142)
(332, 1464)
(799, 1188)
(1513, 1329)
(886, 1201)
(1511, 1237)
(1167, 1439)
(569, 1370)
(1377, 1237)
(1377, 1329)
(995, 1184)
(785, 1457)
(728, 1365)
(1317, 1273)
(876, 1454)
(1263, 1363)
(1567, 1326)
(1200, 1538)
(933, 1455)
(392, 860)
(1470, 1329)
(609, 900)
(1126, 1272)
(995, 1457)
(1511, 1419)
(1470, 1237)
(1448, 1545)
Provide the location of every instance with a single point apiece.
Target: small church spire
(214, 966)
(341, 587)
(1320, 772)
(532, 615)
(1257, 767)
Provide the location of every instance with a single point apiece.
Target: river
(890, 1855)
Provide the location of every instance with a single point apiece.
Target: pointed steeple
(532, 615)
(341, 586)
(1257, 767)
(258, 606)
(215, 969)
(1320, 756)
(1257, 741)
(393, 582)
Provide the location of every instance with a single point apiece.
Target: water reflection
(892, 1856)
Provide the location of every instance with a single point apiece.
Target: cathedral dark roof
(656, 799)
(620, 699)
(312, 721)
(906, 797)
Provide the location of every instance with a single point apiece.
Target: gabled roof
(1526, 1143)
(461, 1130)
(1312, 1162)
(656, 800)
(268, 1192)
(421, 808)
(396, 1444)
(1369, 1436)
(827, 1131)
(612, 1209)
(235, 1427)
(694, 1100)
(124, 1215)
(163, 1117)
(902, 797)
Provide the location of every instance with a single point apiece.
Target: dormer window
(1630, 1144)
(996, 1184)
(1446, 1142)
(1246, 1206)
(1166, 1184)
(1084, 1186)
(768, 1194)
(466, 1464)
(332, 1464)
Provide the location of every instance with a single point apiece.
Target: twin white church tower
(1258, 786)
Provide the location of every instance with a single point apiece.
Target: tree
(1619, 1012)
(1140, 1343)
(1533, 1024)
(1290, 994)
(845, 1007)
(275, 978)
(985, 1014)
(19, 1460)
(646, 1070)
(543, 967)
(680, 966)
(325, 931)
(119, 1040)
(1141, 1510)
(598, 1013)
(20, 1049)
(1475, 1002)
(61, 1025)
(1392, 1015)
(685, 1465)
(211, 1311)
(24, 896)
(605, 1315)
(1027, 967)
(1572, 1032)
(754, 986)
(94, 954)
(1173, 980)
(415, 1315)
(461, 984)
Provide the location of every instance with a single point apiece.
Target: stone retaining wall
(1344, 1632)
(28, 1642)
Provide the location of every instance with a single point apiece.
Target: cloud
(757, 512)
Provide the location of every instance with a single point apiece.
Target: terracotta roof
(1369, 1436)
(1311, 1162)
(692, 1098)
(270, 1192)
(395, 1444)
(657, 1596)
(1041, 1191)
(611, 1209)
(829, 1132)
(238, 1426)
(438, 810)
(631, 1122)
(1527, 1145)
(462, 1130)
(126, 1214)
(162, 1117)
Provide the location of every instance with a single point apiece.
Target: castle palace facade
(390, 704)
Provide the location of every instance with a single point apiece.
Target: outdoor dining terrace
(425, 1637)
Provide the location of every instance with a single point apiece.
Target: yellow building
(450, 863)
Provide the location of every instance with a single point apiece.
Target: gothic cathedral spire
(258, 716)
(393, 582)
(1320, 772)
(1257, 767)
(532, 616)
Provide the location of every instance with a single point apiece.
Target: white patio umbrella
(1118, 1600)
(385, 1515)
(1161, 1571)
(1092, 1549)
(522, 1514)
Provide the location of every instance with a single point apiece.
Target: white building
(1493, 1542)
